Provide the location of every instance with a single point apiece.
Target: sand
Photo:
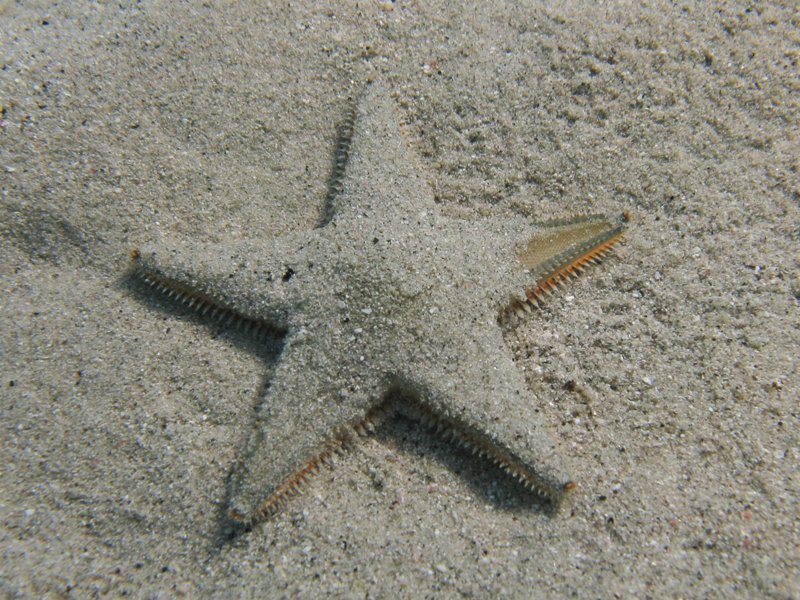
(668, 376)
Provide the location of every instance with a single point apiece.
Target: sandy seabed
(668, 376)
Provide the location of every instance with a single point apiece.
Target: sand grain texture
(668, 376)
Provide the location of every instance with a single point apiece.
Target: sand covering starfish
(388, 306)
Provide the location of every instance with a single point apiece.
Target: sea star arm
(306, 416)
(391, 185)
(477, 397)
(249, 283)
(559, 250)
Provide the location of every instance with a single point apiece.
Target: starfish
(387, 306)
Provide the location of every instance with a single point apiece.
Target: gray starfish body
(388, 306)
